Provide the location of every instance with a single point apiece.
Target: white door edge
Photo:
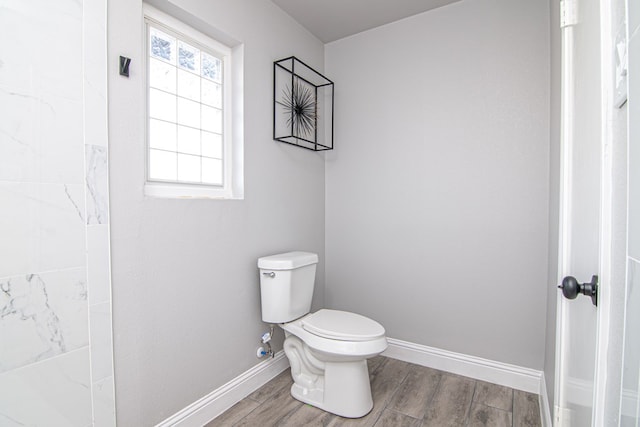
(564, 230)
(606, 214)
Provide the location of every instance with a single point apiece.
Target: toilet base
(339, 387)
(347, 391)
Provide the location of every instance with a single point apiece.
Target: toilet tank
(286, 285)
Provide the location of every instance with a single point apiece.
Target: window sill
(178, 191)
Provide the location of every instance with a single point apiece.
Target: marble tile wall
(56, 363)
(630, 413)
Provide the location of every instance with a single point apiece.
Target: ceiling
(331, 20)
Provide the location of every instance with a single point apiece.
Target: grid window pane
(211, 93)
(211, 119)
(189, 85)
(211, 67)
(188, 57)
(162, 46)
(188, 140)
(189, 168)
(162, 75)
(212, 171)
(188, 113)
(185, 128)
(162, 105)
(162, 165)
(211, 145)
(162, 135)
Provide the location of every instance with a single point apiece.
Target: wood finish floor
(404, 395)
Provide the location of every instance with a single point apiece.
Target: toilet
(328, 349)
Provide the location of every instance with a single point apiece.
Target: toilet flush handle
(270, 274)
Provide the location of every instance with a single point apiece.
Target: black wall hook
(124, 66)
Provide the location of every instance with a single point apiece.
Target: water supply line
(266, 340)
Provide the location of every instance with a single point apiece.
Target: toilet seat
(345, 347)
(342, 326)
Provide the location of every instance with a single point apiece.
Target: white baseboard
(545, 409)
(215, 403)
(513, 376)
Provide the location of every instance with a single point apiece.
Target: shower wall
(55, 301)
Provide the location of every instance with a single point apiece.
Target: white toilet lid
(342, 326)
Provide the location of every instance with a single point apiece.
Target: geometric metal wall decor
(302, 105)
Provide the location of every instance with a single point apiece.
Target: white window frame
(171, 189)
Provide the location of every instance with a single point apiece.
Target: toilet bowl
(327, 350)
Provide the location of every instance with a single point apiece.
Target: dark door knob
(571, 288)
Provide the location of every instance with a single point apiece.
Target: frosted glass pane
(211, 67)
(188, 168)
(162, 135)
(162, 105)
(211, 93)
(162, 165)
(188, 113)
(188, 57)
(211, 145)
(162, 75)
(162, 46)
(211, 171)
(188, 140)
(188, 85)
(211, 119)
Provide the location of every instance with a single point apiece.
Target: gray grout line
(247, 414)
(473, 395)
(379, 415)
(435, 391)
(513, 409)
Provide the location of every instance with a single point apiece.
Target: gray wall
(437, 193)
(554, 201)
(186, 310)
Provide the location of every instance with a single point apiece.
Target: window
(188, 111)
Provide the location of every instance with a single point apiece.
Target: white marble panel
(97, 185)
(55, 392)
(104, 406)
(634, 146)
(43, 227)
(98, 264)
(101, 341)
(631, 373)
(41, 316)
(634, 17)
(41, 46)
(95, 73)
(40, 138)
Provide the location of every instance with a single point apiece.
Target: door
(580, 228)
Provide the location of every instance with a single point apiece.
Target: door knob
(571, 288)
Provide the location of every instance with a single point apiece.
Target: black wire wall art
(302, 105)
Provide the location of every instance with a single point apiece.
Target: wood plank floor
(404, 395)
